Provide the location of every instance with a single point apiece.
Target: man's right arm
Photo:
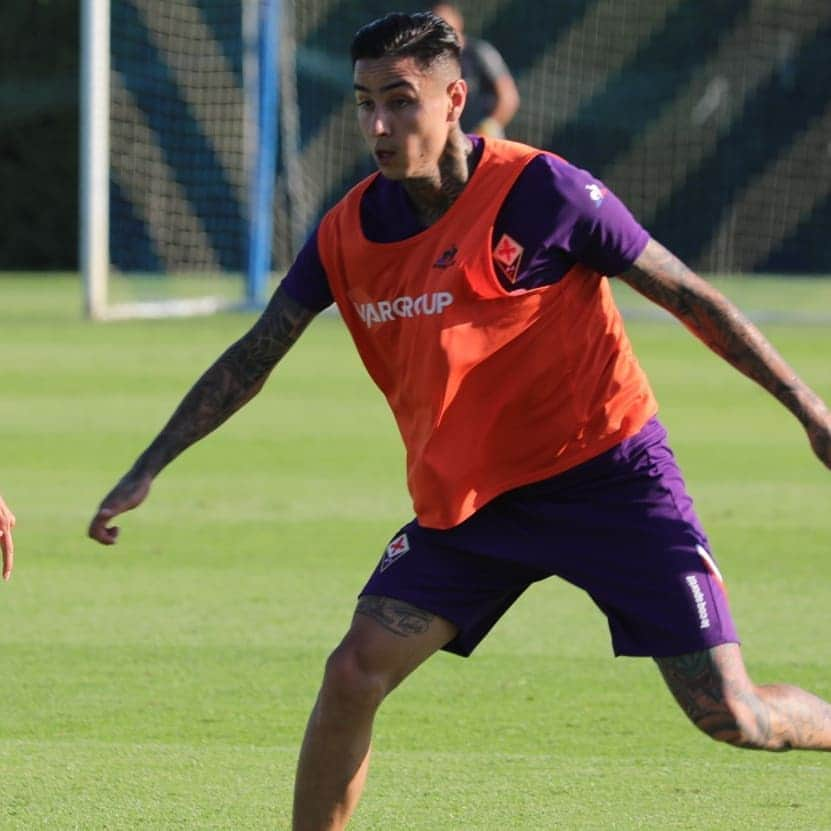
(233, 379)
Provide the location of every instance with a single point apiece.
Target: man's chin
(395, 174)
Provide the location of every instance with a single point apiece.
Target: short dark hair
(422, 35)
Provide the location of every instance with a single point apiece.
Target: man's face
(405, 112)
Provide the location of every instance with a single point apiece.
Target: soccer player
(470, 274)
(7, 522)
(492, 96)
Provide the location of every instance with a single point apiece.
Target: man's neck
(432, 196)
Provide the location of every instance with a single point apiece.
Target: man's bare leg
(714, 690)
(387, 640)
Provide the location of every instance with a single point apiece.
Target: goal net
(711, 120)
(178, 152)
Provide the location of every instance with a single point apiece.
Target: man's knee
(714, 690)
(351, 682)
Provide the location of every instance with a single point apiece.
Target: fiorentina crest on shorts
(395, 551)
(508, 253)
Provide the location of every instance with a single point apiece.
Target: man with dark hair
(492, 96)
(470, 273)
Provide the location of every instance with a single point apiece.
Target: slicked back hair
(423, 36)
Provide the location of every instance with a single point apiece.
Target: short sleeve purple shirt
(559, 215)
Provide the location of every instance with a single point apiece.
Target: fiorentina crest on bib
(395, 551)
(508, 253)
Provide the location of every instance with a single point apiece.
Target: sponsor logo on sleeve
(597, 193)
(508, 255)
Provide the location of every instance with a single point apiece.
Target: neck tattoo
(433, 198)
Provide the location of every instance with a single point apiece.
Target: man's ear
(456, 96)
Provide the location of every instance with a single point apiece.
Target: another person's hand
(819, 434)
(7, 522)
(129, 493)
(490, 128)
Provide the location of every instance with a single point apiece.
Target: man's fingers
(7, 547)
(104, 535)
(98, 529)
(126, 495)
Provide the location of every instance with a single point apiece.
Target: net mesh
(177, 147)
(711, 120)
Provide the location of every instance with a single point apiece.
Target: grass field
(165, 683)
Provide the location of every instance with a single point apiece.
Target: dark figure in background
(492, 96)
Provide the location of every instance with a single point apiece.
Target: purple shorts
(620, 526)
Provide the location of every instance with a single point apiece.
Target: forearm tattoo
(396, 616)
(234, 378)
(661, 277)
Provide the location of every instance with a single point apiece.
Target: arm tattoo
(661, 277)
(395, 616)
(234, 378)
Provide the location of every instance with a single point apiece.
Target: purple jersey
(555, 215)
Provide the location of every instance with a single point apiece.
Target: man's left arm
(661, 277)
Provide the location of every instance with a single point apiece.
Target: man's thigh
(389, 638)
(448, 578)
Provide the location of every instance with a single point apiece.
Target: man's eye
(400, 103)
(364, 105)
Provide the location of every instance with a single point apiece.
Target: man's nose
(380, 124)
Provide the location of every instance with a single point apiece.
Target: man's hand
(231, 381)
(129, 493)
(7, 522)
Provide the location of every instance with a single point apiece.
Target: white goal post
(178, 148)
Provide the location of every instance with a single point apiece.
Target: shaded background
(711, 119)
(38, 133)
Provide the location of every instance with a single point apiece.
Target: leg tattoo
(713, 689)
(396, 616)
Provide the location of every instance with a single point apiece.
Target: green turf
(165, 683)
